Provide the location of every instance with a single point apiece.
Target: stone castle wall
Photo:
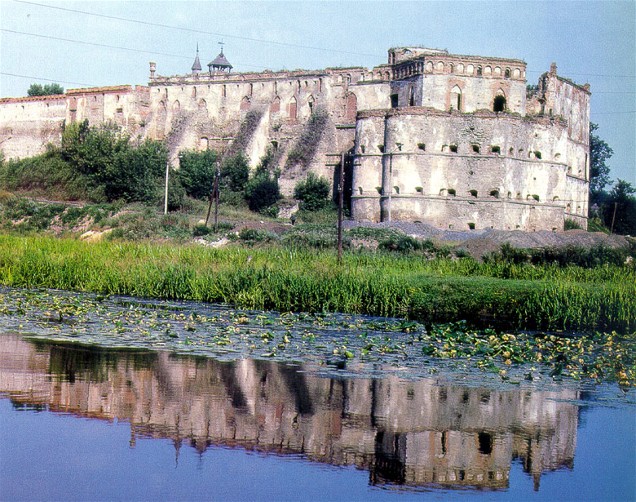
(451, 140)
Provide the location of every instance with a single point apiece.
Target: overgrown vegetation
(313, 193)
(302, 153)
(446, 289)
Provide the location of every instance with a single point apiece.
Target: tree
(114, 168)
(262, 191)
(197, 171)
(45, 90)
(313, 193)
(600, 153)
(235, 172)
(620, 208)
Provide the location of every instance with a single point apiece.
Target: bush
(196, 172)
(313, 193)
(262, 192)
(253, 235)
(235, 172)
(571, 224)
(200, 230)
(400, 243)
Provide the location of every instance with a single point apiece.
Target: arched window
(411, 96)
(507, 73)
(456, 98)
(245, 103)
(293, 108)
(499, 103)
(479, 71)
(176, 106)
(194, 92)
(275, 106)
(310, 103)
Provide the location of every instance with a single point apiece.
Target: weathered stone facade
(455, 141)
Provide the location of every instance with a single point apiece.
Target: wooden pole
(613, 218)
(165, 204)
(340, 204)
(216, 197)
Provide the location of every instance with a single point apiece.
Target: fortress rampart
(455, 141)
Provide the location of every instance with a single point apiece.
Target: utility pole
(340, 204)
(613, 218)
(214, 197)
(165, 205)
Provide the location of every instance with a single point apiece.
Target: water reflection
(417, 433)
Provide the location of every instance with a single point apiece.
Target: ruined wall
(27, 125)
(443, 138)
(451, 170)
(200, 111)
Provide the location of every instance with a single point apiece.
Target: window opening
(499, 104)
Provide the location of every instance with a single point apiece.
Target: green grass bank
(522, 295)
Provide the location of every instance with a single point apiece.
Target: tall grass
(278, 278)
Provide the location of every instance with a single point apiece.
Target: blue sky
(591, 41)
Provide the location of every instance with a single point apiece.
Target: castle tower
(196, 66)
(220, 63)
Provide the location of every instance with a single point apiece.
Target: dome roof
(220, 62)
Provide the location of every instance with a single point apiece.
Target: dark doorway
(499, 105)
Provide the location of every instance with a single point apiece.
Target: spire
(196, 67)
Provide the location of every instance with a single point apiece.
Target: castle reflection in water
(417, 433)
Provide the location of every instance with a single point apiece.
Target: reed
(441, 290)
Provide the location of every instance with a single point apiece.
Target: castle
(459, 142)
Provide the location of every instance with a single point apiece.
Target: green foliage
(47, 175)
(136, 174)
(196, 172)
(586, 257)
(235, 171)
(571, 224)
(113, 167)
(620, 208)
(600, 153)
(254, 235)
(262, 192)
(303, 151)
(313, 193)
(547, 297)
(45, 90)
(400, 243)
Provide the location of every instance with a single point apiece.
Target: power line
(192, 30)
(46, 79)
(118, 47)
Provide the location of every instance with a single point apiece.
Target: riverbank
(443, 289)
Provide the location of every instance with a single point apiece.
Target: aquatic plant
(284, 279)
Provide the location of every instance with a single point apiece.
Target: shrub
(253, 235)
(262, 192)
(200, 230)
(313, 193)
(196, 172)
(235, 172)
(571, 224)
(400, 243)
